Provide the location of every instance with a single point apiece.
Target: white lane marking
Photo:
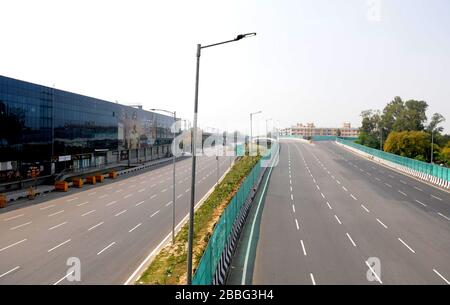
(111, 203)
(47, 207)
(291, 187)
(12, 245)
(293, 208)
(102, 196)
(10, 271)
(391, 176)
(56, 247)
(421, 203)
(323, 196)
(334, 178)
(403, 181)
(141, 190)
(440, 214)
(418, 188)
(406, 245)
(153, 196)
(436, 198)
(154, 214)
(87, 213)
(95, 226)
(296, 224)
(83, 203)
(19, 226)
(120, 213)
(72, 199)
(139, 203)
(368, 173)
(135, 227)
(13, 217)
(441, 276)
(118, 191)
(338, 182)
(374, 273)
(344, 188)
(303, 247)
(312, 279)
(93, 193)
(329, 206)
(403, 193)
(164, 190)
(367, 210)
(378, 179)
(106, 248)
(388, 185)
(169, 203)
(351, 195)
(314, 180)
(349, 237)
(187, 190)
(381, 223)
(179, 196)
(317, 187)
(57, 226)
(292, 197)
(338, 220)
(56, 213)
(127, 196)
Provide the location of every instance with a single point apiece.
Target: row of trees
(402, 128)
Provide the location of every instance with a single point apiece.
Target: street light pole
(194, 147)
(174, 113)
(432, 144)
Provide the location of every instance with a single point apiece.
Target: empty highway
(111, 228)
(329, 213)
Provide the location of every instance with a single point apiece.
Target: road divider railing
(432, 173)
(216, 259)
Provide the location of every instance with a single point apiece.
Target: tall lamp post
(194, 152)
(174, 114)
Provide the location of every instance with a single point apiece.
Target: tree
(444, 155)
(369, 134)
(436, 119)
(401, 116)
(411, 144)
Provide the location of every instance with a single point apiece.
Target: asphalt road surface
(110, 228)
(328, 215)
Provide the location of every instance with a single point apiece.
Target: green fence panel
(423, 167)
(216, 244)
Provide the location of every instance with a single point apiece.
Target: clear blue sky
(313, 60)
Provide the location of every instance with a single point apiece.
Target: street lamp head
(240, 36)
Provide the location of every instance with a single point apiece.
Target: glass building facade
(56, 130)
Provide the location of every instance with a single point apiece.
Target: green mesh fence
(210, 259)
(423, 167)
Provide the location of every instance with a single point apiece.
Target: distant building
(310, 130)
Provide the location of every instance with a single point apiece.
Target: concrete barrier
(91, 180)
(61, 186)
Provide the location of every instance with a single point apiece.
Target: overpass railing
(427, 169)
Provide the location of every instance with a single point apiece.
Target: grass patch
(170, 266)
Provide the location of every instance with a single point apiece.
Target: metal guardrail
(423, 170)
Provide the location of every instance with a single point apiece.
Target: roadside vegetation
(170, 265)
(403, 128)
